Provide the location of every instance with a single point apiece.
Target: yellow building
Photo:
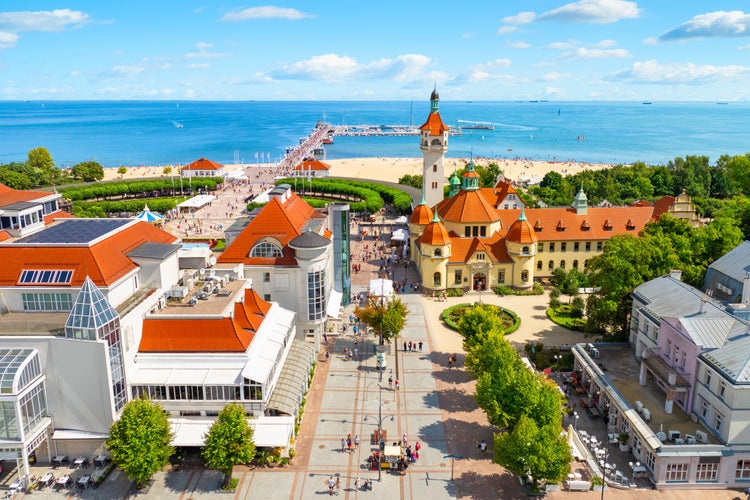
(479, 238)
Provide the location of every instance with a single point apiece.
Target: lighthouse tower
(433, 139)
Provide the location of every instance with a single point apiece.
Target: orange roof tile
(422, 215)
(435, 124)
(9, 195)
(467, 206)
(313, 165)
(435, 234)
(463, 248)
(280, 221)
(50, 218)
(497, 194)
(521, 231)
(590, 226)
(104, 262)
(662, 206)
(207, 334)
(203, 164)
(4, 235)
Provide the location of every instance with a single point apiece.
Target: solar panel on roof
(75, 231)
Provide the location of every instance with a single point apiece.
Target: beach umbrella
(148, 216)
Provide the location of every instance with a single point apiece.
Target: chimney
(746, 290)
(676, 274)
(703, 305)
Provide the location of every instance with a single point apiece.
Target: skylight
(45, 277)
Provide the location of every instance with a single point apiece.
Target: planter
(624, 447)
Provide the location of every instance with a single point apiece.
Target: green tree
(739, 170)
(229, 441)
(167, 170)
(386, 317)
(88, 171)
(534, 450)
(411, 180)
(477, 320)
(488, 174)
(122, 170)
(139, 441)
(40, 163)
(15, 179)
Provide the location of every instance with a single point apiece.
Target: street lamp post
(606, 467)
(381, 441)
(575, 415)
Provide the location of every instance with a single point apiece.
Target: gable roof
(189, 334)
(312, 164)
(276, 220)
(203, 164)
(104, 260)
(497, 194)
(434, 124)
(9, 196)
(462, 249)
(50, 218)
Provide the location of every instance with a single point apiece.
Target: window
(47, 302)
(266, 277)
(650, 460)
(562, 264)
(722, 389)
(437, 279)
(669, 348)
(707, 472)
(539, 265)
(316, 295)
(575, 246)
(588, 246)
(457, 280)
(480, 256)
(438, 252)
(743, 470)
(551, 265)
(599, 245)
(575, 264)
(540, 247)
(708, 378)
(434, 168)
(467, 231)
(265, 249)
(524, 276)
(677, 472)
(525, 250)
(434, 185)
(267, 297)
(33, 408)
(718, 420)
(551, 247)
(704, 408)
(482, 230)
(501, 276)
(475, 231)
(563, 246)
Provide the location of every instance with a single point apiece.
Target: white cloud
(336, 68)
(519, 45)
(467, 36)
(202, 52)
(43, 20)
(744, 47)
(266, 12)
(593, 11)
(520, 18)
(680, 73)
(8, 40)
(488, 71)
(605, 44)
(567, 45)
(124, 70)
(554, 76)
(595, 53)
(712, 24)
(199, 66)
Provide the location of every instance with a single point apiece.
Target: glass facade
(47, 301)
(249, 391)
(33, 408)
(342, 272)
(316, 295)
(8, 421)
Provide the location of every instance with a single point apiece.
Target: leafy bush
(452, 316)
(455, 292)
(232, 485)
(536, 289)
(372, 194)
(105, 190)
(564, 317)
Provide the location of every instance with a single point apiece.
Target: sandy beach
(390, 169)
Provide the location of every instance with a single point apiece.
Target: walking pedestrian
(450, 361)
(349, 443)
(356, 354)
(338, 484)
(482, 447)
(420, 346)
(390, 382)
(404, 440)
(410, 345)
(404, 346)
(395, 383)
(356, 441)
(331, 485)
(343, 445)
(356, 483)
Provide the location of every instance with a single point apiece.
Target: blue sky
(684, 50)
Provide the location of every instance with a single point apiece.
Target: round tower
(433, 141)
(520, 242)
(434, 253)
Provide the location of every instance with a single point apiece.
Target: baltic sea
(165, 133)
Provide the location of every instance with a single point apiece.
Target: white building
(203, 167)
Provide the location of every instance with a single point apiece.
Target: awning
(72, 434)
(400, 235)
(292, 384)
(381, 288)
(333, 308)
(268, 432)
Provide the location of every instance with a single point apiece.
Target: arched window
(551, 265)
(437, 280)
(524, 276)
(539, 265)
(266, 249)
(525, 250)
(438, 252)
(575, 264)
(562, 264)
(435, 142)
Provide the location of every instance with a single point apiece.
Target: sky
(611, 50)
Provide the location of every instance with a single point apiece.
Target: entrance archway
(480, 282)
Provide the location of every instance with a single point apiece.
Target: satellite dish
(212, 260)
(202, 272)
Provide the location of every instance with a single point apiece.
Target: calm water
(163, 133)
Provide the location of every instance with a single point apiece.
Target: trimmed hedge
(373, 195)
(565, 319)
(161, 205)
(536, 289)
(124, 188)
(446, 317)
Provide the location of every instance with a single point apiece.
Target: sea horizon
(177, 132)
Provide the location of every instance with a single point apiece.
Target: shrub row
(536, 289)
(123, 188)
(372, 194)
(448, 320)
(133, 206)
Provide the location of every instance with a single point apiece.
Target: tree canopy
(88, 171)
(229, 441)
(139, 442)
(386, 317)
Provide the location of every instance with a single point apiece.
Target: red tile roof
(497, 194)
(5, 235)
(421, 215)
(203, 164)
(9, 195)
(435, 234)
(50, 218)
(206, 334)
(104, 262)
(463, 248)
(467, 206)
(280, 221)
(521, 231)
(435, 124)
(312, 165)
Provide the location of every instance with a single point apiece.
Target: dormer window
(538, 226)
(266, 250)
(630, 225)
(585, 225)
(608, 225)
(560, 225)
